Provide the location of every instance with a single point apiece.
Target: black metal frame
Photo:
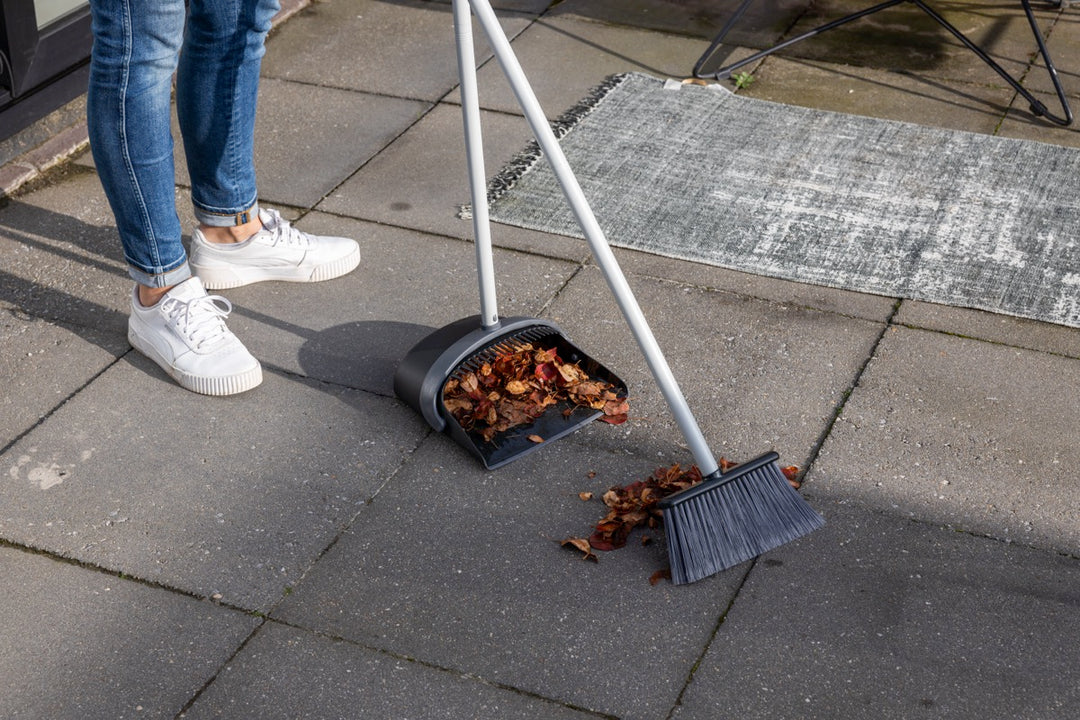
(37, 67)
(1037, 107)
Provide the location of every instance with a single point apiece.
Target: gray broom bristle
(733, 517)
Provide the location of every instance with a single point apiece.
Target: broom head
(731, 517)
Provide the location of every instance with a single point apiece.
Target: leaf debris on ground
(636, 505)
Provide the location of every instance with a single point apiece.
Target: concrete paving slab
(762, 24)
(357, 45)
(526, 626)
(285, 672)
(354, 330)
(758, 375)
(82, 644)
(877, 615)
(232, 497)
(956, 431)
(60, 257)
(461, 568)
(878, 93)
(565, 57)
(526, 6)
(1017, 332)
(43, 364)
(843, 302)
(1020, 123)
(310, 139)
(1063, 37)
(907, 39)
(421, 182)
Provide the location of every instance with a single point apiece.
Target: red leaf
(546, 372)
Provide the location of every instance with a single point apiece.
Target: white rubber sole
(223, 277)
(204, 385)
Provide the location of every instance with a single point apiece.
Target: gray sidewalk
(311, 549)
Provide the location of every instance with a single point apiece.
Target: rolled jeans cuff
(226, 219)
(161, 280)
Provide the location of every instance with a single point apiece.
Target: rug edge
(530, 155)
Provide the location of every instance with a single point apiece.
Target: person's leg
(136, 43)
(173, 321)
(217, 88)
(236, 242)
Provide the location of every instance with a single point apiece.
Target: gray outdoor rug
(877, 206)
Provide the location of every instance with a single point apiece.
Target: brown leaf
(536, 439)
(469, 382)
(516, 387)
(583, 545)
(660, 575)
(571, 373)
(791, 472)
(618, 406)
(585, 495)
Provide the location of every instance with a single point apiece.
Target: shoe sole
(218, 386)
(225, 277)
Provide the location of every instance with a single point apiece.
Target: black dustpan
(463, 346)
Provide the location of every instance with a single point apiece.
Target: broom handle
(474, 153)
(598, 244)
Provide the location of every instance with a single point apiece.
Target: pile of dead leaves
(635, 505)
(519, 385)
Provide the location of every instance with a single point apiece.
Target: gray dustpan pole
(474, 152)
(598, 244)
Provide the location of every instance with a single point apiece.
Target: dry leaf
(536, 439)
(660, 575)
(583, 545)
(585, 495)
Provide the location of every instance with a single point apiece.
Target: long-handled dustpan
(468, 344)
(729, 517)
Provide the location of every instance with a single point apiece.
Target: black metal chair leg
(1037, 107)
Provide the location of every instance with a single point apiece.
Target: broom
(729, 517)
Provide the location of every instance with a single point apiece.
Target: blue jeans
(216, 55)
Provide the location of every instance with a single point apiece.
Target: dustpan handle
(474, 154)
(598, 244)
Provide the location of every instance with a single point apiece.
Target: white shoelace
(282, 232)
(200, 321)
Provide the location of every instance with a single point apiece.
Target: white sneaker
(277, 252)
(185, 334)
